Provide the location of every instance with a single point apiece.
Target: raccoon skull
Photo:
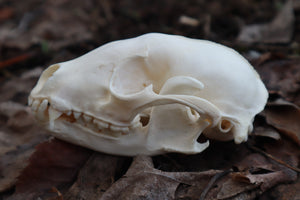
(149, 95)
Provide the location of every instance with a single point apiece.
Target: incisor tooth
(76, 114)
(35, 105)
(41, 110)
(30, 100)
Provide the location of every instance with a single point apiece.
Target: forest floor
(37, 33)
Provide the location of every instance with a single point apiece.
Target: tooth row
(40, 106)
(90, 121)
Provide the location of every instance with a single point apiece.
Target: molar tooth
(115, 128)
(76, 114)
(87, 118)
(136, 125)
(69, 113)
(35, 105)
(125, 129)
(100, 124)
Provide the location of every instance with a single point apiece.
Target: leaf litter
(58, 170)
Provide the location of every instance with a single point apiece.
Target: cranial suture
(149, 95)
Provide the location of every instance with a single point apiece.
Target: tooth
(115, 128)
(100, 124)
(87, 118)
(76, 114)
(125, 129)
(30, 100)
(43, 105)
(41, 110)
(35, 105)
(69, 112)
(53, 115)
(136, 125)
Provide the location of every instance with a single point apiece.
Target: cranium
(149, 95)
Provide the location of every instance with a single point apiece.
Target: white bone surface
(150, 95)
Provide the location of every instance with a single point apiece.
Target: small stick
(212, 181)
(15, 60)
(273, 158)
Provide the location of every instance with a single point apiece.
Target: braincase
(230, 82)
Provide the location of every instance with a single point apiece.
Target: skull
(149, 95)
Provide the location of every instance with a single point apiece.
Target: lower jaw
(127, 145)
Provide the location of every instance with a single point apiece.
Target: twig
(273, 158)
(212, 181)
(15, 60)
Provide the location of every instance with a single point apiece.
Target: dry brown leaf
(285, 117)
(287, 191)
(18, 136)
(257, 170)
(53, 164)
(268, 132)
(58, 23)
(255, 175)
(97, 175)
(18, 130)
(142, 181)
(282, 77)
(231, 189)
(17, 89)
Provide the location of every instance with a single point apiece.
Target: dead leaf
(17, 89)
(231, 189)
(18, 136)
(280, 30)
(256, 175)
(142, 181)
(54, 164)
(56, 24)
(285, 117)
(282, 77)
(97, 175)
(287, 191)
(268, 132)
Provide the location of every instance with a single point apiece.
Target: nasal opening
(44, 77)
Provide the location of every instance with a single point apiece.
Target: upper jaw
(48, 113)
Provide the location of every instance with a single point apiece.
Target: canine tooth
(76, 114)
(35, 105)
(53, 115)
(87, 118)
(43, 106)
